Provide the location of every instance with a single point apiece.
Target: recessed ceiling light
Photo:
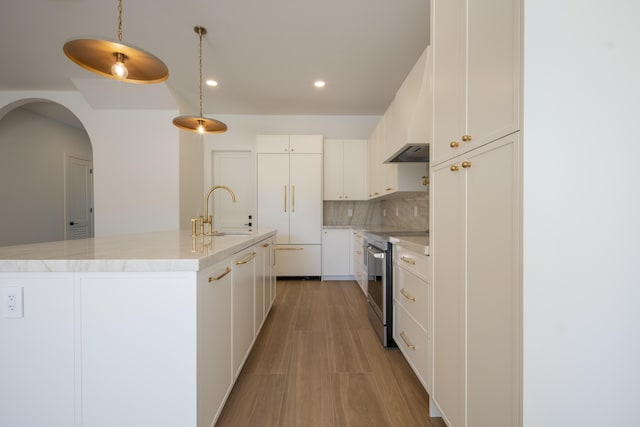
(212, 83)
(319, 83)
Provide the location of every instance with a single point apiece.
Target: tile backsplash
(409, 211)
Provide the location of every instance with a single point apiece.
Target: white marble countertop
(155, 251)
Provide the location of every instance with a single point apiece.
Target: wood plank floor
(318, 362)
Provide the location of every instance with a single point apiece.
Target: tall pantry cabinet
(290, 200)
(476, 212)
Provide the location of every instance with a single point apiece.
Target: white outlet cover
(12, 306)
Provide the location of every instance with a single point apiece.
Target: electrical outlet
(415, 211)
(397, 211)
(384, 212)
(349, 212)
(12, 305)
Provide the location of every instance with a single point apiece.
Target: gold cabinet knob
(454, 144)
(466, 138)
(454, 168)
(466, 164)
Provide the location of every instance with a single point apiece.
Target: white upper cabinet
(344, 169)
(289, 144)
(476, 56)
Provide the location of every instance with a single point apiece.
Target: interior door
(78, 199)
(234, 169)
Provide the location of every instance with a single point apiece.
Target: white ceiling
(265, 54)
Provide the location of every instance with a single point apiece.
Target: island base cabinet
(37, 373)
(138, 350)
(215, 378)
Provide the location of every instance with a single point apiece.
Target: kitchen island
(145, 329)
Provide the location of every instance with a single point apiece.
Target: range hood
(410, 153)
(412, 114)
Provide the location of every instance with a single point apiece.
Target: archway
(44, 152)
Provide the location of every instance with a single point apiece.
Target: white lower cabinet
(129, 349)
(38, 376)
(243, 284)
(412, 310)
(215, 380)
(357, 247)
(298, 260)
(336, 254)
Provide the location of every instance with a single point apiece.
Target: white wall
(136, 162)
(582, 213)
(33, 150)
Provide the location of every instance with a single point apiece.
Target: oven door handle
(375, 252)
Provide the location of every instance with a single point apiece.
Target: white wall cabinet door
(476, 74)
(477, 286)
(344, 169)
(354, 169)
(333, 173)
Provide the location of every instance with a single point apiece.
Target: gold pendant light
(115, 59)
(200, 123)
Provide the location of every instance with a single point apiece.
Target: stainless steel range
(379, 286)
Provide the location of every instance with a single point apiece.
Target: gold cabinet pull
(406, 341)
(285, 198)
(454, 144)
(265, 245)
(466, 164)
(408, 260)
(407, 295)
(466, 138)
(454, 168)
(389, 189)
(213, 279)
(245, 260)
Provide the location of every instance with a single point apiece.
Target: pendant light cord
(120, 20)
(200, 34)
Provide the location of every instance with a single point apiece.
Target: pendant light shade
(200, 124)
(116, 59)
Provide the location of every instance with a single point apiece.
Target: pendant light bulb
(118, 69)
(200, 127)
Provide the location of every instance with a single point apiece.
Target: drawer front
(413, 342)
(413, 261)
(412, 293)
(298, 260)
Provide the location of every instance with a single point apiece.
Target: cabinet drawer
(412, 293)
(298, 260)
(413, 261)
(413, 342)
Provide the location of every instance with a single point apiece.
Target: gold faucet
(208, 219)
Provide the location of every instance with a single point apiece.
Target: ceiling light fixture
(116, 59)
(212, 83)
(319, 83)
(200, 123)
